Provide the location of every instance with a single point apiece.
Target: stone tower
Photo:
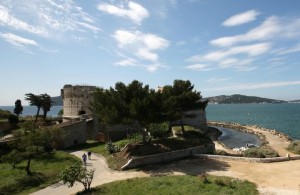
(76, 100)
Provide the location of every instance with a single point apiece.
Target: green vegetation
(261, 152)
(241, 99)
(4, 114)
(294, 147)
(77, 172)
(188, 185)
(136, 103)
(42, 101)
(44, 173)
(18, 107)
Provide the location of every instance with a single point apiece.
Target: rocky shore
(270, 137)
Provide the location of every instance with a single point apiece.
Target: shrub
(262, 152)
(4, 114)
(294, 147)
(159, 130)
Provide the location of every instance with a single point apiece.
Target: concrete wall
(167, 156)
(245, 159)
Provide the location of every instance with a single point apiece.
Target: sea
(283, 118)
(31, 110)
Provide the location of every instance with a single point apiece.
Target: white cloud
(153, 67)
(127, 62)
(6, 19)
(198, 67)
(17, 40)
(142, 45)
(49, 18)
(241, 18)
(135, 12)
(215, 80)
(250, 86)
(250, 50)
(267, 30)
(147, 55)
(288, 50)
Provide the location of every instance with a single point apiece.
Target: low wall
(167, 156)
(246, 159)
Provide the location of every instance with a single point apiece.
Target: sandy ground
(281, 178)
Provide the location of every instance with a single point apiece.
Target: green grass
(186, 184)
(45, 172)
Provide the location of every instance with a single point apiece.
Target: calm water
(281, 117)
(31, 110)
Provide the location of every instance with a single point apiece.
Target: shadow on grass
(189, 166)
(24, 183)
(84, 146)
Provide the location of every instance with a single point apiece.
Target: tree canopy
(18, 107)
(42, 101)
(135, 102)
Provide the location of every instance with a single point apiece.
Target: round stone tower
(76, 100)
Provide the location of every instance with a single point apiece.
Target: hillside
(57, 101)
(241, 99)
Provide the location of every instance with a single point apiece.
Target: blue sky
(221, 46)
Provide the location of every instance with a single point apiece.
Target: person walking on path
(84, 158)
(89, 155)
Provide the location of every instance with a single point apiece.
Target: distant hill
(57, 101)
(294, 101)
(241, 99)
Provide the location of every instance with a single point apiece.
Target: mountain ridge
(241, 99)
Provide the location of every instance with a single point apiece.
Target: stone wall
(245, 159)
(194, 118)
(76, 100)
(73, 133)
(167, 156)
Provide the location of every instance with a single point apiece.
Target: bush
(159, 130)
(4, 114)
(262, 152)
(294, 147)
(13, 119)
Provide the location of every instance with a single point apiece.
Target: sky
(223, 47)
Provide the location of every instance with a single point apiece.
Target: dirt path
(271, 178)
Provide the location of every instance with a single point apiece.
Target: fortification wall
(73, 133)
(167, 156)
(194, 118)
(76, 100)
(246, 159)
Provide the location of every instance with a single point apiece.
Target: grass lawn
(45, 172)
(186, 184)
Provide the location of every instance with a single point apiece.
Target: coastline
(270, 137)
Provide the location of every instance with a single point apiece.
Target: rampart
(76, 100)
(167, 156)
(246, 159)
(194, 118)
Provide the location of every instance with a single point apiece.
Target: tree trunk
(182, 125)
(37, 115)
(27, 168)
(45, 115)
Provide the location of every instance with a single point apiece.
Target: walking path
(102, 175)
